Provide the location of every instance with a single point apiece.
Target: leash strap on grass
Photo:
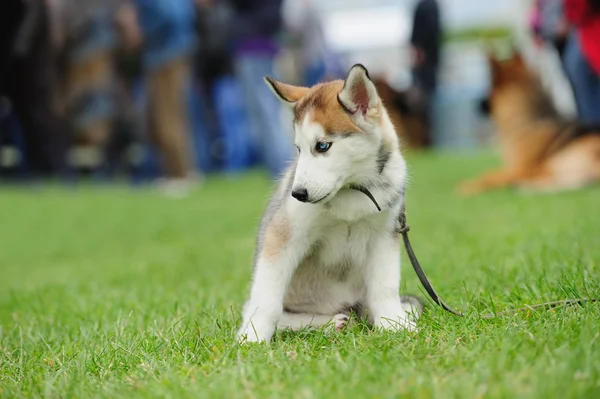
(404, 229)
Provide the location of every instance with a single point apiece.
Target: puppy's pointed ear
(288, 94)
(359, 96)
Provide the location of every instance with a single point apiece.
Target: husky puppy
(324, 248)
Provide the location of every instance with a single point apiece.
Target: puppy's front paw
(247, 336)
(251, 334)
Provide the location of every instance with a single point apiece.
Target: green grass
(119, 293)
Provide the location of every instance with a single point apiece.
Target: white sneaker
(179, 187)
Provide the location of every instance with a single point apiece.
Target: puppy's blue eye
(322, 146)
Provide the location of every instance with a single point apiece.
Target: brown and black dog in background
(406, 114)
(540, 150)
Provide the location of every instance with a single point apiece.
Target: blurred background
(168, 91)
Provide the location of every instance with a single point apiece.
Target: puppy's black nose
(300, 194)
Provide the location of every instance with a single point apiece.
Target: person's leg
(32, 85)
(277, 139)
(264, 112)
(425, 84)
(314, 73)
(90, 98)
(168, 114)
(569, 53)
(586, 83)
(11, 17)
(244, 72)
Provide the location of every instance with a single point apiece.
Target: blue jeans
(168, 27)
(314, 73)
(264, 112)
(586, 82)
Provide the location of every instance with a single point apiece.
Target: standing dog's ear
(288, 94)
(495, 68)
(359, 95)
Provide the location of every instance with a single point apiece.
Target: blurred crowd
(168, 90)
(160, 89)
(86, 83)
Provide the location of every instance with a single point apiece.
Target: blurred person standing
(549, 25)
(30, 83)
(90, 42)
(11, 17)
(582, 56)
(168, 45)
(214, 60)
(254, 30)
(425, 44)
(302, 22)
(550, 31)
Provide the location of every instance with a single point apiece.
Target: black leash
(404, 228)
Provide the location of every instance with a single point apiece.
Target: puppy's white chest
(344, 245)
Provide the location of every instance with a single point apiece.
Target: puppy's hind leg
(298, 321)
(413, 306)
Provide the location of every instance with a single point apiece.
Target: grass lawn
(119, 293)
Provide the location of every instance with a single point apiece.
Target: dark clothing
(426, 37)
(11, 15)
(256, 18)
(29, 78)
(169, 31)
(254, 30)
(90, 29)
(215, 57)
